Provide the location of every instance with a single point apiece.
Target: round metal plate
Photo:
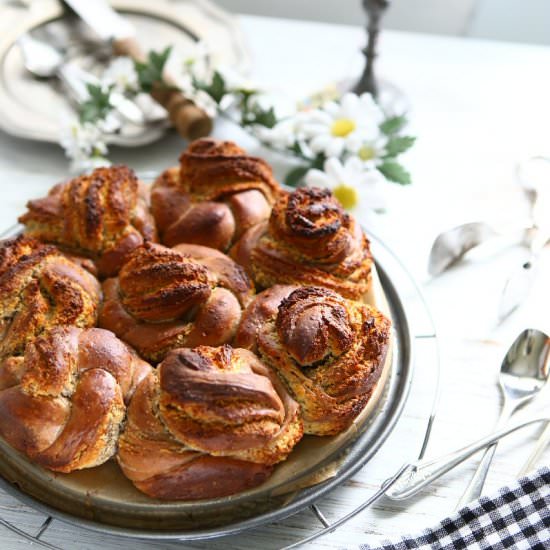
(36, 109)
(254, 513)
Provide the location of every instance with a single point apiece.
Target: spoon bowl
(44, 61)
(452, 245)
(523, 374)
(525, 368)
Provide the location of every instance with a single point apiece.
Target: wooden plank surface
(477, 108)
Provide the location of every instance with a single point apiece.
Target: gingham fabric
(517, 517)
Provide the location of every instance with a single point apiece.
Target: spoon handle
(475, 487)
(518, 285)
(415, 476)
(537, 451)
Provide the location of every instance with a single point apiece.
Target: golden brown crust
(165, 299)
(214, 196)
(40, 289)
(102, 216)
(65, 406)
(213, 422)
(309, 240)
(328, 350)
(263, 308)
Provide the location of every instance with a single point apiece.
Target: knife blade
(102, 18)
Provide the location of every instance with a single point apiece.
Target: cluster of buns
(194, 331)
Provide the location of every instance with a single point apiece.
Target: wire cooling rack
(423, 330)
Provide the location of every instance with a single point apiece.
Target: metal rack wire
(327, 526)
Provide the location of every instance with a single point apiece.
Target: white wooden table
(477, 107)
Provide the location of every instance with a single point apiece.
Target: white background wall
(513, 20)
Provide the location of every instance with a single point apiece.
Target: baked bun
(67, 405)
(164, 299)
(216, 194)
(209, 423)
(40, 289)
(102, 216)
(329, 351)
(309, 240)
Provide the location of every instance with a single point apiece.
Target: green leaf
(259, 116)
(393, 124)
(398, 144)
(393, 171)
(150, 72)
(297, 149)
(266, 117)
(216, 89)
(98, 105)
(319, 161)
(294, 177)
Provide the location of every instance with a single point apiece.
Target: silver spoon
(523, 373)
(452, 245)
(533, 175)
(45, 61)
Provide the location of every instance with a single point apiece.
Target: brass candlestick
(375, 10)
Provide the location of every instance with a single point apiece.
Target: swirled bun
(309, 240)
(164, 299)
(40, 289)
(209, 423)
(329, 351)
(63, 403)
(214, 196)
(102, 216)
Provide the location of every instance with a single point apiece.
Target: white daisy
(121, 74)
(283, 135)
(196, 63)
(84, 145)
(350, 183)
(345, 125)
(370, 153)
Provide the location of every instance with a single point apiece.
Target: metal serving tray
(37, 109)
(220, 517)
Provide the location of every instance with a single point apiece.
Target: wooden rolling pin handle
(189, 120)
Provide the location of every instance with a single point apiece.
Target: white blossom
(84, 145)
(121, 74)
(344, 126)
(350, 182)
(282, 136)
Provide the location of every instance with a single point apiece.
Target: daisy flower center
(341, 127)
(366, 153)
(346, 194)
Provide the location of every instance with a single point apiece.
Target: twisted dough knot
(328, 350)
(211, 169)
(103, 215)
(309, 240)
(66, 402)
(313, 323)
(216, 194)
(159, 284)
(315, 223)
(165, 298)
(212, 423)
(40, 289)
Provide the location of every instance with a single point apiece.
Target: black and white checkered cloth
(517, 517)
